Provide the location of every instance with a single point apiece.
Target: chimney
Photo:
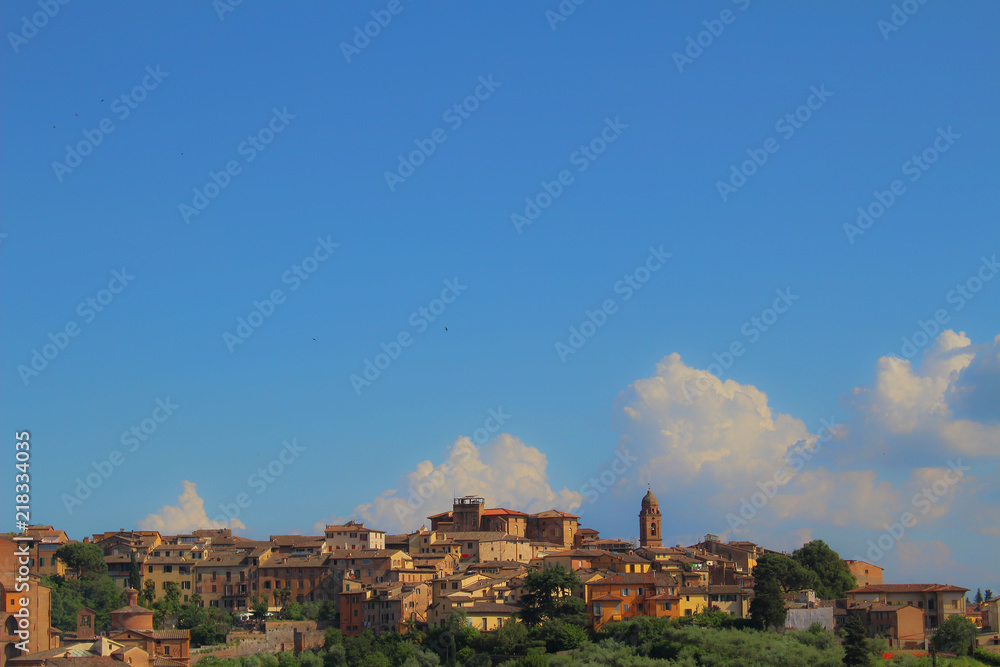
(133, 596)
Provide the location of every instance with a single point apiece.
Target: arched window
(653, 530)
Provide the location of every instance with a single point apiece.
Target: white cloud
(937, 408)
(686, 424)
(187, 516)
(505, 471)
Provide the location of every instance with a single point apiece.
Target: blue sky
(202, 85)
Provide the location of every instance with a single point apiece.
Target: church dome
(649, 500)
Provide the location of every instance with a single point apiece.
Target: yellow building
(163, 569)
(487, 615)
(694, 600)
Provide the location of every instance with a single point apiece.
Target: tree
(68, 596)
(294, 612)
(979, 596)
(281, 595)
(327, 611)
(834, 578)
(134, 573)
(167, 608)
(259, 608)
(956, 635)
(83, 558)
(768, 607)
(856, 643)
(789, 573)
(149, 593)
(988, 595)
(547, 595)
(208, 625)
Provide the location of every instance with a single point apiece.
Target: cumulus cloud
(505, 471)
(719, 439)
(188, 515)
(946, 405)
(686, 425)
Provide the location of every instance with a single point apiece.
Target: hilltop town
(283, 594)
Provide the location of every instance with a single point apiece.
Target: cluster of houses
(471, 558)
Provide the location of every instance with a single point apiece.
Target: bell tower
(649, 522)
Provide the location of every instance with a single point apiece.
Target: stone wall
(278, 636)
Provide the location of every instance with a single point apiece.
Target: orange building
(307, 577)
(45, 542)
(624, 596)
(33, 620)
(132, 625)
(865, 573)
(469, 514)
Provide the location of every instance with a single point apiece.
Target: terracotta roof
(647, 578)
(577, 553)
(729, 590)
(555, 513)
(607, 597)
(295, 540)
(909, 588)
(663, 596)
(502, 511)
(132, 609)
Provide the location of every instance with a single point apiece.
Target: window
(626, 592)
(168, 568)
(668, 606)
(598, 609)
(639, 592)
